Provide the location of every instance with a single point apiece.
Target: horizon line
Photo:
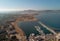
(8, 10)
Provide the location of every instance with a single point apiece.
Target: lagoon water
(52, 20)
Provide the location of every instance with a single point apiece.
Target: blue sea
(52, 20)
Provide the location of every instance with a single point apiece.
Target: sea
(50, 19)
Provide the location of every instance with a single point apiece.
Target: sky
(11, 5)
